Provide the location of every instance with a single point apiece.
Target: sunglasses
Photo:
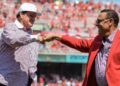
(98, 21)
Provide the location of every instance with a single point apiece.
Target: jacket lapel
(113, 46)
(93, 52)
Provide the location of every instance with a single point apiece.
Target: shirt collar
(110, 37)
(18, 24)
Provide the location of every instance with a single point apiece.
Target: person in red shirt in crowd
(103, 66)
(2, 23)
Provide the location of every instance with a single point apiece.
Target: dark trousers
(29, 82)
(2, 85)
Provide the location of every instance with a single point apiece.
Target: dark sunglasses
(98, 21)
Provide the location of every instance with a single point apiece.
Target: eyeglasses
(98, 21)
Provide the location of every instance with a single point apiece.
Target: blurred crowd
(57, 74)
(63, 16)
(56, 80)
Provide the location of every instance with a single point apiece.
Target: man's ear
(111, 20)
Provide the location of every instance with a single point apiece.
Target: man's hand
(40, 39)
(51, 36)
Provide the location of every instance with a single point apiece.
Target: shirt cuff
(34, 37)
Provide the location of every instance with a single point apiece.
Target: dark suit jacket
(92, 47)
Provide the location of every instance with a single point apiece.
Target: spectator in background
(2, 23)
(103, 66)
(19, 48)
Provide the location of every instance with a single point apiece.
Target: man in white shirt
(19, 48)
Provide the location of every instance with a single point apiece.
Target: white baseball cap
(28, 7)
